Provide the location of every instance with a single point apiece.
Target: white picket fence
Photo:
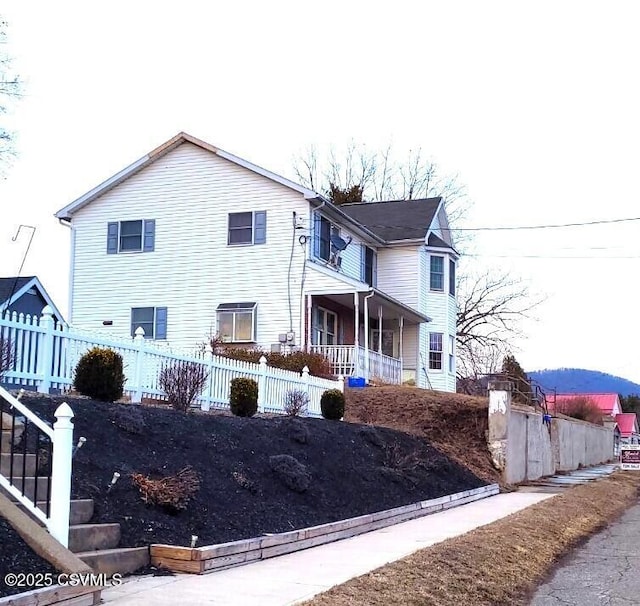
(46, 356)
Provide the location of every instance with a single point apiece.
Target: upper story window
(452, 277)
(368, 265)
(237, 322)
(131, 236)
(323, 230)
(153, 320)
(437, 273)
(247, 228)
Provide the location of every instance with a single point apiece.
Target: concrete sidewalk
(298, 576)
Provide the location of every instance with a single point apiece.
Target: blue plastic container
(355, 382)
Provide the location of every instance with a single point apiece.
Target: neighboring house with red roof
(608, 403)
(628, 424)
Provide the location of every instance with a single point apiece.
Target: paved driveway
(604, 572)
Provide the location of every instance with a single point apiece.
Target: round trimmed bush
(332, 404)
(243, 398)
(99, 375)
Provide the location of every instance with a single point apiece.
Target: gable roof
(9, 287)
(396, 219)
(628, 423)
(606, 402)
(12, 288)
(66, 213)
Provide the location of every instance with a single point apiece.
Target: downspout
(72, 262)
(366, 335)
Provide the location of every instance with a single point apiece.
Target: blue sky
(533, 105)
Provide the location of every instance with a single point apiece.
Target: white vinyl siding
(190, 193)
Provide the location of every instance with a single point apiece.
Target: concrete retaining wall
(525, 448)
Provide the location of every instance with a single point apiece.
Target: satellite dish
(338, 243)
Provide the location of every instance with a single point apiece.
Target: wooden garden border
(200, 560)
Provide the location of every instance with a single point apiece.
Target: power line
(516, 256)
(514, 227)
(551, 226)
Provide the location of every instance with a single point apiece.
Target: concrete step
(29, 487)
(18, 460)
(91, 537)
(81, 511)
(124, 560)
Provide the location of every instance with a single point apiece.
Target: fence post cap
(47, 311)
(63, 414)
(305, 370)
(263, 360)
(139, 332)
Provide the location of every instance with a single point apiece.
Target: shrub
(99, 375)
(172, 493)
(244, 397)
(332, 404)
(581, 407)
(6, 355)
(183, 382)
(295, 403)
(317, 364)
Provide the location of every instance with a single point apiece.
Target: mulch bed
(16, 557)
(340, 470)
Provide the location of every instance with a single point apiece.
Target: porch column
(356, 338)
(380, 330)
(366, 335)
(401, 325)
(308, 327)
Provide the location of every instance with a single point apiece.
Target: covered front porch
(362, 334)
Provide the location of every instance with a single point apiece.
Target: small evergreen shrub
(243, 398)
(99, 375)
(332, 404)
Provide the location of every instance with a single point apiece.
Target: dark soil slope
(340, 470)
(455, 424)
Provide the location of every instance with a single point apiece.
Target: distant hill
(578, 380)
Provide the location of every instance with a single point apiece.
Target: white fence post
(305, 381)
(206, 403)
(45, 350)
(341, 383)
(138, 340)
(262, 384)
(61, 474)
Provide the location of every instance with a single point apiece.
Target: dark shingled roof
(396, 219)
(437, 241)
(10, 286)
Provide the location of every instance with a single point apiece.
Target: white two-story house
(191, 242)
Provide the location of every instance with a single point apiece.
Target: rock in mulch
(293, 474)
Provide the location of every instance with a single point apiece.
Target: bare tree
(10, 88)
(491, 307)
(380, 175)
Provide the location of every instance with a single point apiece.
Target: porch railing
(346, 360)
